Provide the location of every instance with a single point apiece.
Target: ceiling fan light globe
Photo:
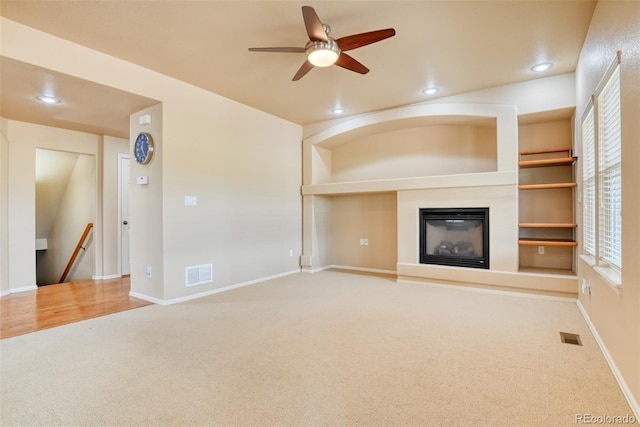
(323, 57)
(322, 54)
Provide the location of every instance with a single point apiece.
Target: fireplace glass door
(455, 237)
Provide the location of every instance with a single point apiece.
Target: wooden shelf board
(547, 186)
(529, 153)
(547, 271)
(547, 162)
(546, 242)
(547, 225)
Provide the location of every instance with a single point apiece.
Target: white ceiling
(458, 46)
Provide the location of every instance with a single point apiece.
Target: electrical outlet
(290, 252)
(366, 242)
(540, 250)
(149, 271)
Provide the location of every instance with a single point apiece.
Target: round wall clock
(143, 149)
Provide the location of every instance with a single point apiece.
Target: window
(610, 173)
(602, 176)
(589, 185)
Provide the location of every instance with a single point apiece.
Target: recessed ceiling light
(48, 99)
(337, 110)
(430, 90)
(543, 66)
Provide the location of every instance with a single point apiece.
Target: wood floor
(56, 305)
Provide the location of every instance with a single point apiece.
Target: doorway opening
(65, 205)
(124, 176)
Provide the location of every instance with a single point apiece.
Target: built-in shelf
(542, 160)
(480, 179)
(547, 186)
(546, 242)
(547, 225)
(559, 236)
(547, 162)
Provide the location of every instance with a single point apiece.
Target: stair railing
(76, 251)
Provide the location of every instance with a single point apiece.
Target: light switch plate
(142, 180)
(190, 200)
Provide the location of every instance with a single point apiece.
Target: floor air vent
(568, 338)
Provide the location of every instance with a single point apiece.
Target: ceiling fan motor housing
(321, 53)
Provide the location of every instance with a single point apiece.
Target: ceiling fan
(323, 50)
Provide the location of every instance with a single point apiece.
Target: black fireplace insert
(457, 237)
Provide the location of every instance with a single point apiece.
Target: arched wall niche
(500, 119)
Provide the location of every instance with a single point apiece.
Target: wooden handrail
(79, 246)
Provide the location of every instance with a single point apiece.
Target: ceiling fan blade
(304, 69)
(277, 49)
(363, 39)
(345, 61)
(313, 24)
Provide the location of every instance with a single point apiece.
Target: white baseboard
(469, 287)
(366, 270)
(5, 293)
(210, 292)
(348, 267)
(316, 270)
(23, 289)
(107, 277)
(144, 297)
(635, 405)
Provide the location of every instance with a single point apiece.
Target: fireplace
(456, 237)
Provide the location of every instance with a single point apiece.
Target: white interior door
(124, 215)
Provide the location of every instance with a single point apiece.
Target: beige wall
(53, 171)
(4, 210)
(242, 164)
(146, 239)
(244, 167)
(23, 139)
(26, 137)
(371, 217)
(546, 135)
(532, 96)
(321, 225)
(421, 151)
(615, 314)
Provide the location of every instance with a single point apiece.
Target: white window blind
(610, 172)
(589, 185)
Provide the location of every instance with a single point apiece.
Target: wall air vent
(198, 274)
(568, 338)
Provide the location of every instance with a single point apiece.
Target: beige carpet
(330, 348)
